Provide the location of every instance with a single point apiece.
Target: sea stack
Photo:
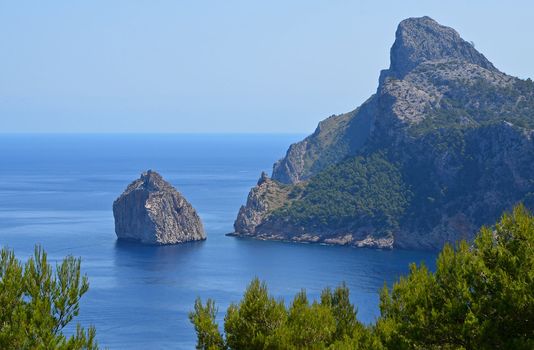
(152, 211)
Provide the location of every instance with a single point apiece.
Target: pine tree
(38, 302)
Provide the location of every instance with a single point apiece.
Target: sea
(57, 190)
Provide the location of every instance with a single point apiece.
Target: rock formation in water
(445, 145)
(152, 211)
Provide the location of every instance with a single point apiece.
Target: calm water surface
(57, 190)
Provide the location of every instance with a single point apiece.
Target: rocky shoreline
(369, 242)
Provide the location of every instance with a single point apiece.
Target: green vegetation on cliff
(471, 103)
(358, 191)
(480, 297)
(438, 181)
(37, 303)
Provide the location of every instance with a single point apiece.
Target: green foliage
(357, 191)
(310, 325)
(255, 320)
(342, 309)
(37, 303)
(479, 297)
(259, 321)
(203, 318)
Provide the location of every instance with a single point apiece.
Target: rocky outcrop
(334, 139)
(267, 196)
(456, 135)
(286, 232)
(152, 211)
(419, 40)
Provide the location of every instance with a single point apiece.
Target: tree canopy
(37, 302)
(357, 191)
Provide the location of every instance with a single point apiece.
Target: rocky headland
(444, 146)
(152, 211)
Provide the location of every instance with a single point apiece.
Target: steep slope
(443, 147)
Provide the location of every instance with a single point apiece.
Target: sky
(219, 66)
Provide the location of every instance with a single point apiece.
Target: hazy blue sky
(219, 66)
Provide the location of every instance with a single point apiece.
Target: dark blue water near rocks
(57, 190)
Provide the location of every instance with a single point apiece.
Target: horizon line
(7, 133)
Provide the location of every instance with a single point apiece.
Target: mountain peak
(151, 181)
(421, 39)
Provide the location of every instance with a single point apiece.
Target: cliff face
(419, 40)
(334, 139)
(426, 60)
(151, 211)
(268, 195)
(443, 147)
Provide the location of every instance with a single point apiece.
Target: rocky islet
(152, 211)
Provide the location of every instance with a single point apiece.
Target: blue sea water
(57, 191)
